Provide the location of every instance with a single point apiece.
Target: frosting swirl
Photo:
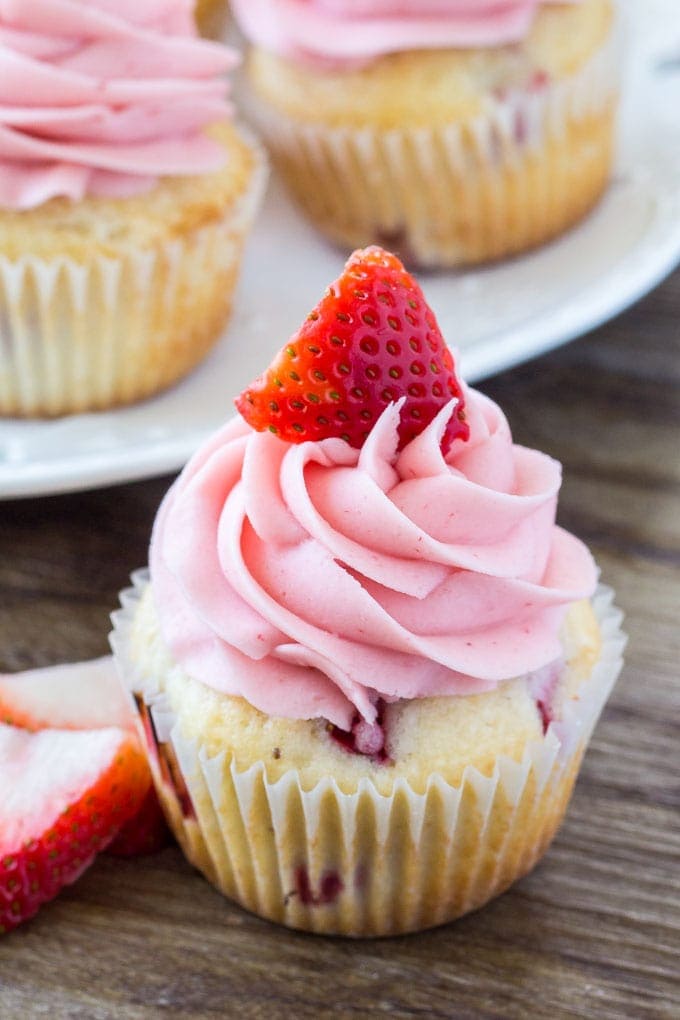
(104, 97)
(313, 580)
(350, 31)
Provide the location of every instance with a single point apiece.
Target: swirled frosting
(103, 97)
(314, 580)
(349, 31)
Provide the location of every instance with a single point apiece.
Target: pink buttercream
(351, 31)
(103, 97)
(314, 579)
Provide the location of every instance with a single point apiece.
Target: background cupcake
(455, 132)
(367, 666)
(125, 196)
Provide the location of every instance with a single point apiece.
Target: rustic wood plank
(594, 931)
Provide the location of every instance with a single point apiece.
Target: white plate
(496, 317)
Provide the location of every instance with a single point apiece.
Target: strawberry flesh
(75, 696)
(64, 795)
(330, 887)
(370, 341)
(364, 738)
(146, 833)
(83, 696)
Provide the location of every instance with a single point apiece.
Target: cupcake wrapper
(521, 172)
(365, 864)
(77, 337)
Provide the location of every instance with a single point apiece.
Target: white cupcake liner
(362, 863)
(86, 336)
(510, 178)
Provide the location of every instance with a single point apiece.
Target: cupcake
(126, 193)
(456, 131)
(211, 17)
(367, 663)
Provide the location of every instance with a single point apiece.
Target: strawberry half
(146, 833)
(64, 795)
(84, 696)
(371, 340)
(78, 696)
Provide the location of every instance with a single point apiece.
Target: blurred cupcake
(367, 663)
(211, 17)
(456, 131)
(125, 197)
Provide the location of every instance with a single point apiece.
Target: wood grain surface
(593, 932)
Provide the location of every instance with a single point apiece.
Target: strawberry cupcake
(457, 131)
(367, 663)
(126, 193)
(74, 781)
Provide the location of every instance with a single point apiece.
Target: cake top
(103, 97)
(355, 31)
(320, 576)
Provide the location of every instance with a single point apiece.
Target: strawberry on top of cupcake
(378, 538)
(366, 660)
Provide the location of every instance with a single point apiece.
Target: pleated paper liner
(361, 863)
(77, 337)
(509, 179)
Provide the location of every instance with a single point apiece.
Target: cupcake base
(439, 199)
(364, 863)
(109, 301)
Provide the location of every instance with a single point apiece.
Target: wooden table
(593, 932)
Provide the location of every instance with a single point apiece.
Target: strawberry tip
(370, 341)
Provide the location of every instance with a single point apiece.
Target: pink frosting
(103, 97)
(313, 580)
(349, 31)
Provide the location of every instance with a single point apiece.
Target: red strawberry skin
(146, 833)
(36, 865)
(370, 341)
(80, 696)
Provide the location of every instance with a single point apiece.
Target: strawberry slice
(79, 696)
(146, 833)
(84, 696)
(371, 340)
(64, 795)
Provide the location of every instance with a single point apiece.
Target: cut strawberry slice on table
(64, 795)
(146, 833)
(84, 696)
(370, 341)
(78, 696)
